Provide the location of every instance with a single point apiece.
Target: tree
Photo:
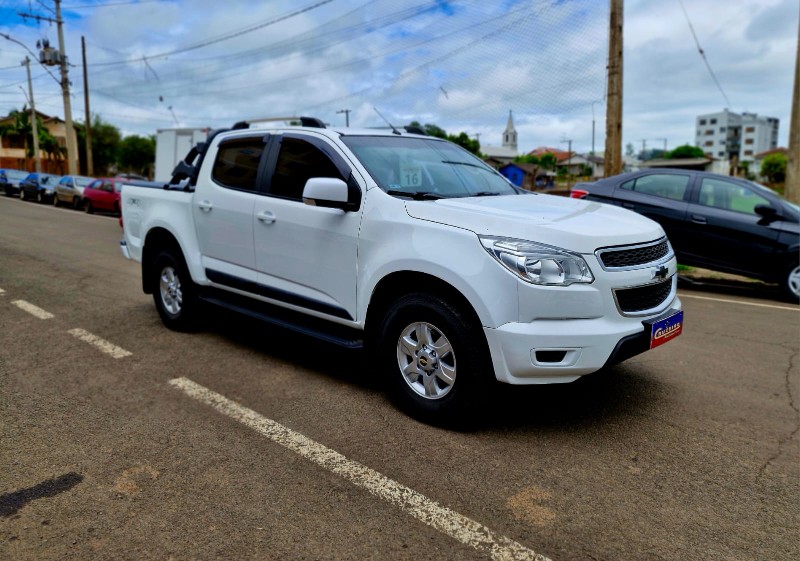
(137, 154)
(685, 151)
(773, 167)
(462, 138)
(629, 149)
(105, 145)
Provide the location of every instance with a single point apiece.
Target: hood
(572, 224)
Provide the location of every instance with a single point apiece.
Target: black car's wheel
(87, 206)
(39, 197)
(790, 284)
(174, 293)
(436, 356)
(22, 194)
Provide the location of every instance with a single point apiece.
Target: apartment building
(728, 135)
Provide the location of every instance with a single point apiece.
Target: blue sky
(462, 64)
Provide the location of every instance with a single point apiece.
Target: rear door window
(668, 186)
(237, 163)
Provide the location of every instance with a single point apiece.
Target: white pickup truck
(410, 246)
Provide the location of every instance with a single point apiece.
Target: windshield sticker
(410, 176)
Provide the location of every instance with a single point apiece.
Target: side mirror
(328, 192)
(767, 212)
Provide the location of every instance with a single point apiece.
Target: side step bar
(288, 319)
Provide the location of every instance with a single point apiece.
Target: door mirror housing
(767, 212)
(330, 192)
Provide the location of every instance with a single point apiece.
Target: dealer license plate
(666, 329)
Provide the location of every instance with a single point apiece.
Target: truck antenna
(394, 130)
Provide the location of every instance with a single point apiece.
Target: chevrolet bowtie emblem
(660, 273)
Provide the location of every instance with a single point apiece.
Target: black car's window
(669, 186)
(236, 165)
(727, 195)
(298, 161)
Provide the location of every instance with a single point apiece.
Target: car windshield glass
(415, 167)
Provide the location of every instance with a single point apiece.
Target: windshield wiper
(487, 194)
(463, 164)
(416, 195)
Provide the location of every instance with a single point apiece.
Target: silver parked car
(69, 190)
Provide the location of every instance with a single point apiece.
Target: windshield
(426, 168)
(15, 174)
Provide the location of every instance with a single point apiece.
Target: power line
(703, 54)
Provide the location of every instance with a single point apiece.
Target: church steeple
(510, 134)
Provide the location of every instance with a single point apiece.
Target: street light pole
(36, 158)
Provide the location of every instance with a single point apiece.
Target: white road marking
(35, 311)
(2, 292)
(102, 344)
(795, 309)
(455, 525)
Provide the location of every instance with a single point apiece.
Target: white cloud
(543, 59)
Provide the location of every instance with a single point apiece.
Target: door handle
(205, 206)
(266, 217)
(699, 219)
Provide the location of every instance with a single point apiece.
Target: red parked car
(102, 194)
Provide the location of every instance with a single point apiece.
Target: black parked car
(38, 186)
(713, 221)
(9, 180)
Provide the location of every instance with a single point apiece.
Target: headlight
(538, 264)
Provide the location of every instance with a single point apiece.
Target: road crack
(793, 404)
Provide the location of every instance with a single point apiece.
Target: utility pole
(36, 157)
(346, 116)
(89, 159)
(569, 161)
(613, 153)
(61, 60)
(792, 187)
(593, 127)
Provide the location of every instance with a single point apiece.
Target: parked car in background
(10, 179)
(69, 190)
(103, 195)
(38, 186)
(713, 221)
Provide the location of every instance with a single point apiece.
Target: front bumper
(123, 247)
(548, 351)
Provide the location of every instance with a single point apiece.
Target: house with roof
(13, 150)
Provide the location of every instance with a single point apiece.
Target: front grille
(644, 297)
(630, 257)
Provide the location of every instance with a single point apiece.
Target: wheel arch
(156, 240)
(396, 284)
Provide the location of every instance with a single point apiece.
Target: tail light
(578, 193)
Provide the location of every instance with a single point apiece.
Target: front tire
(22, 195)
(437, 358)
(87, 206)
(790, 284)
(56, 200)
(174, 293)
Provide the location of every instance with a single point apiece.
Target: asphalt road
(689, 451)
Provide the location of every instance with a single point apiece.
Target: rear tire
(39, 197)
(174, 293)
(437, 358)
(56, 201)
(22, 195)
(87, 206)
(76, 203)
